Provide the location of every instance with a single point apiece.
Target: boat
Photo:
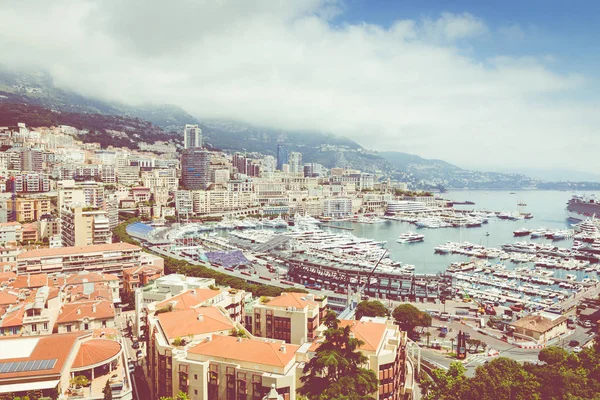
(521, 204)
(410, 237)
(581, 207)
(521, 232)
(570, 277)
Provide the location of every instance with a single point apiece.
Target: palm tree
(428, 335)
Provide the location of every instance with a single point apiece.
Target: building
(46, 364)
(105, 258)
(540, 327)
(291, 317)
(337, 207)
(85, 316)
(33, 315)
(169, 331)
(32, 182)
(84, 226)
(137, 277)
(282, 156)
(195, 169)
(11, 233)
(295, 162)
(226, 367)
(192, 137)
(30, 208)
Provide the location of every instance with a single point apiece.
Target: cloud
(415, 86)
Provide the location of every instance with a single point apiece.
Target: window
(33, 327)
(68, 328)
(104, 324)
(86, 326)
(45, 326)
(195, 377)
(195, 391)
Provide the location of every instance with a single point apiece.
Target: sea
(547, 207)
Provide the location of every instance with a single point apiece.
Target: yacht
(410, 237)
(521, 232)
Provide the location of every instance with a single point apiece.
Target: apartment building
(291, 317)
(11, 233)
(34, 313)
(137, 277)
(337, 207)
(105, 258)
(30, 208)
(86, 315)
(32, 182)
(84, 226)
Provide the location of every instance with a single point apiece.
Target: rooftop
(194, 321)
(538, 323)
(66, 251)
(71, 312)
(189, 298)
(95, 352)
(290, 299)
(371, 333)
(254, 351)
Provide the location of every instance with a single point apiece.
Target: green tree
(409, 317)
(335, 371)
(500, 379)
(371, 308)
(107, 392)
(552, 355)
(444, 385)
(180, 396)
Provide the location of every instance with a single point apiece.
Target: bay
(547, 207)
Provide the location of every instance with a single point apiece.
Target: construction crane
(362, 290)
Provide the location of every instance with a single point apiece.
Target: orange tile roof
(30, 281)
(6, 276)
(14, 317)
(80, 279)
(298, 300)
(248, 350)
(8, 297)
(143, 269)
(68, 313)
(371, 333)
(96, 351)
(182, 323)
(189, 298)
(57, 346)
(66, 251)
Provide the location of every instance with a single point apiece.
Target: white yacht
(410, 237)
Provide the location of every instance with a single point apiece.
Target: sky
(482, 84)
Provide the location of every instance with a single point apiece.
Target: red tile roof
(248, 350)
(189, 298)
(8, 297)
(371, 333)
(80, 279)
(104, 310)
(96, 351)
(30, 281)
(194, 321)
(14, 317)
(298, 300)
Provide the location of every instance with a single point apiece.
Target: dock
(338, 227)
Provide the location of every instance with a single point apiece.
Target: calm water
(547, 208)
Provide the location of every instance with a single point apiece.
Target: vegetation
(165, 309)
(336, 372)
(238, 333)
(409, 317)
(80, 380)
(180, 396)
(178, 342)
(559, 375)
(107, 391)
(373, 308)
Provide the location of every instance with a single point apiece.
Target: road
(141, 390)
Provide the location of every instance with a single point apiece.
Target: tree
(408, 317)
(335, 371)
(552, 355)
(107, 392)
(474, 342)
(502, 378)
(427, 335)
(180, 396)
(372, 308)
(443, 385)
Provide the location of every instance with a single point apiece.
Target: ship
(580, 208)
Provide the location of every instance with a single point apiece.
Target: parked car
(135, 345)
(139, 354)
(573, 343)
(587, 323)
(131, 367)
(577, 349)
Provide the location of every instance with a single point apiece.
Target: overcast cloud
(414, 87)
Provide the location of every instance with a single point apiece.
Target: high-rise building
(84, 226)
(282, 156)
(295, 161)
(195, 169)
(192, 137)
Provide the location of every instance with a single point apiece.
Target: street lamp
(452, 345)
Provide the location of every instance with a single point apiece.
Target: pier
(338, 227)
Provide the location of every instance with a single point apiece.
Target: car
(587, 323)
(131, 367)
(573, 343)
(135, 345)
(139, 354)
(435, 313)
(577, 349)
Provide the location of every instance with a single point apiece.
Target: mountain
(37, 87)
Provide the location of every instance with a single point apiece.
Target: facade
(195, 169)
(31, 182)
(30, 208)
(291, 317)
(337, 207)
(11, 233)
(136, 277)
(107, 258)
(84, 226)
(295, 162)
(540, 327)
(85, 316)
(282, 156)
(192, 137)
